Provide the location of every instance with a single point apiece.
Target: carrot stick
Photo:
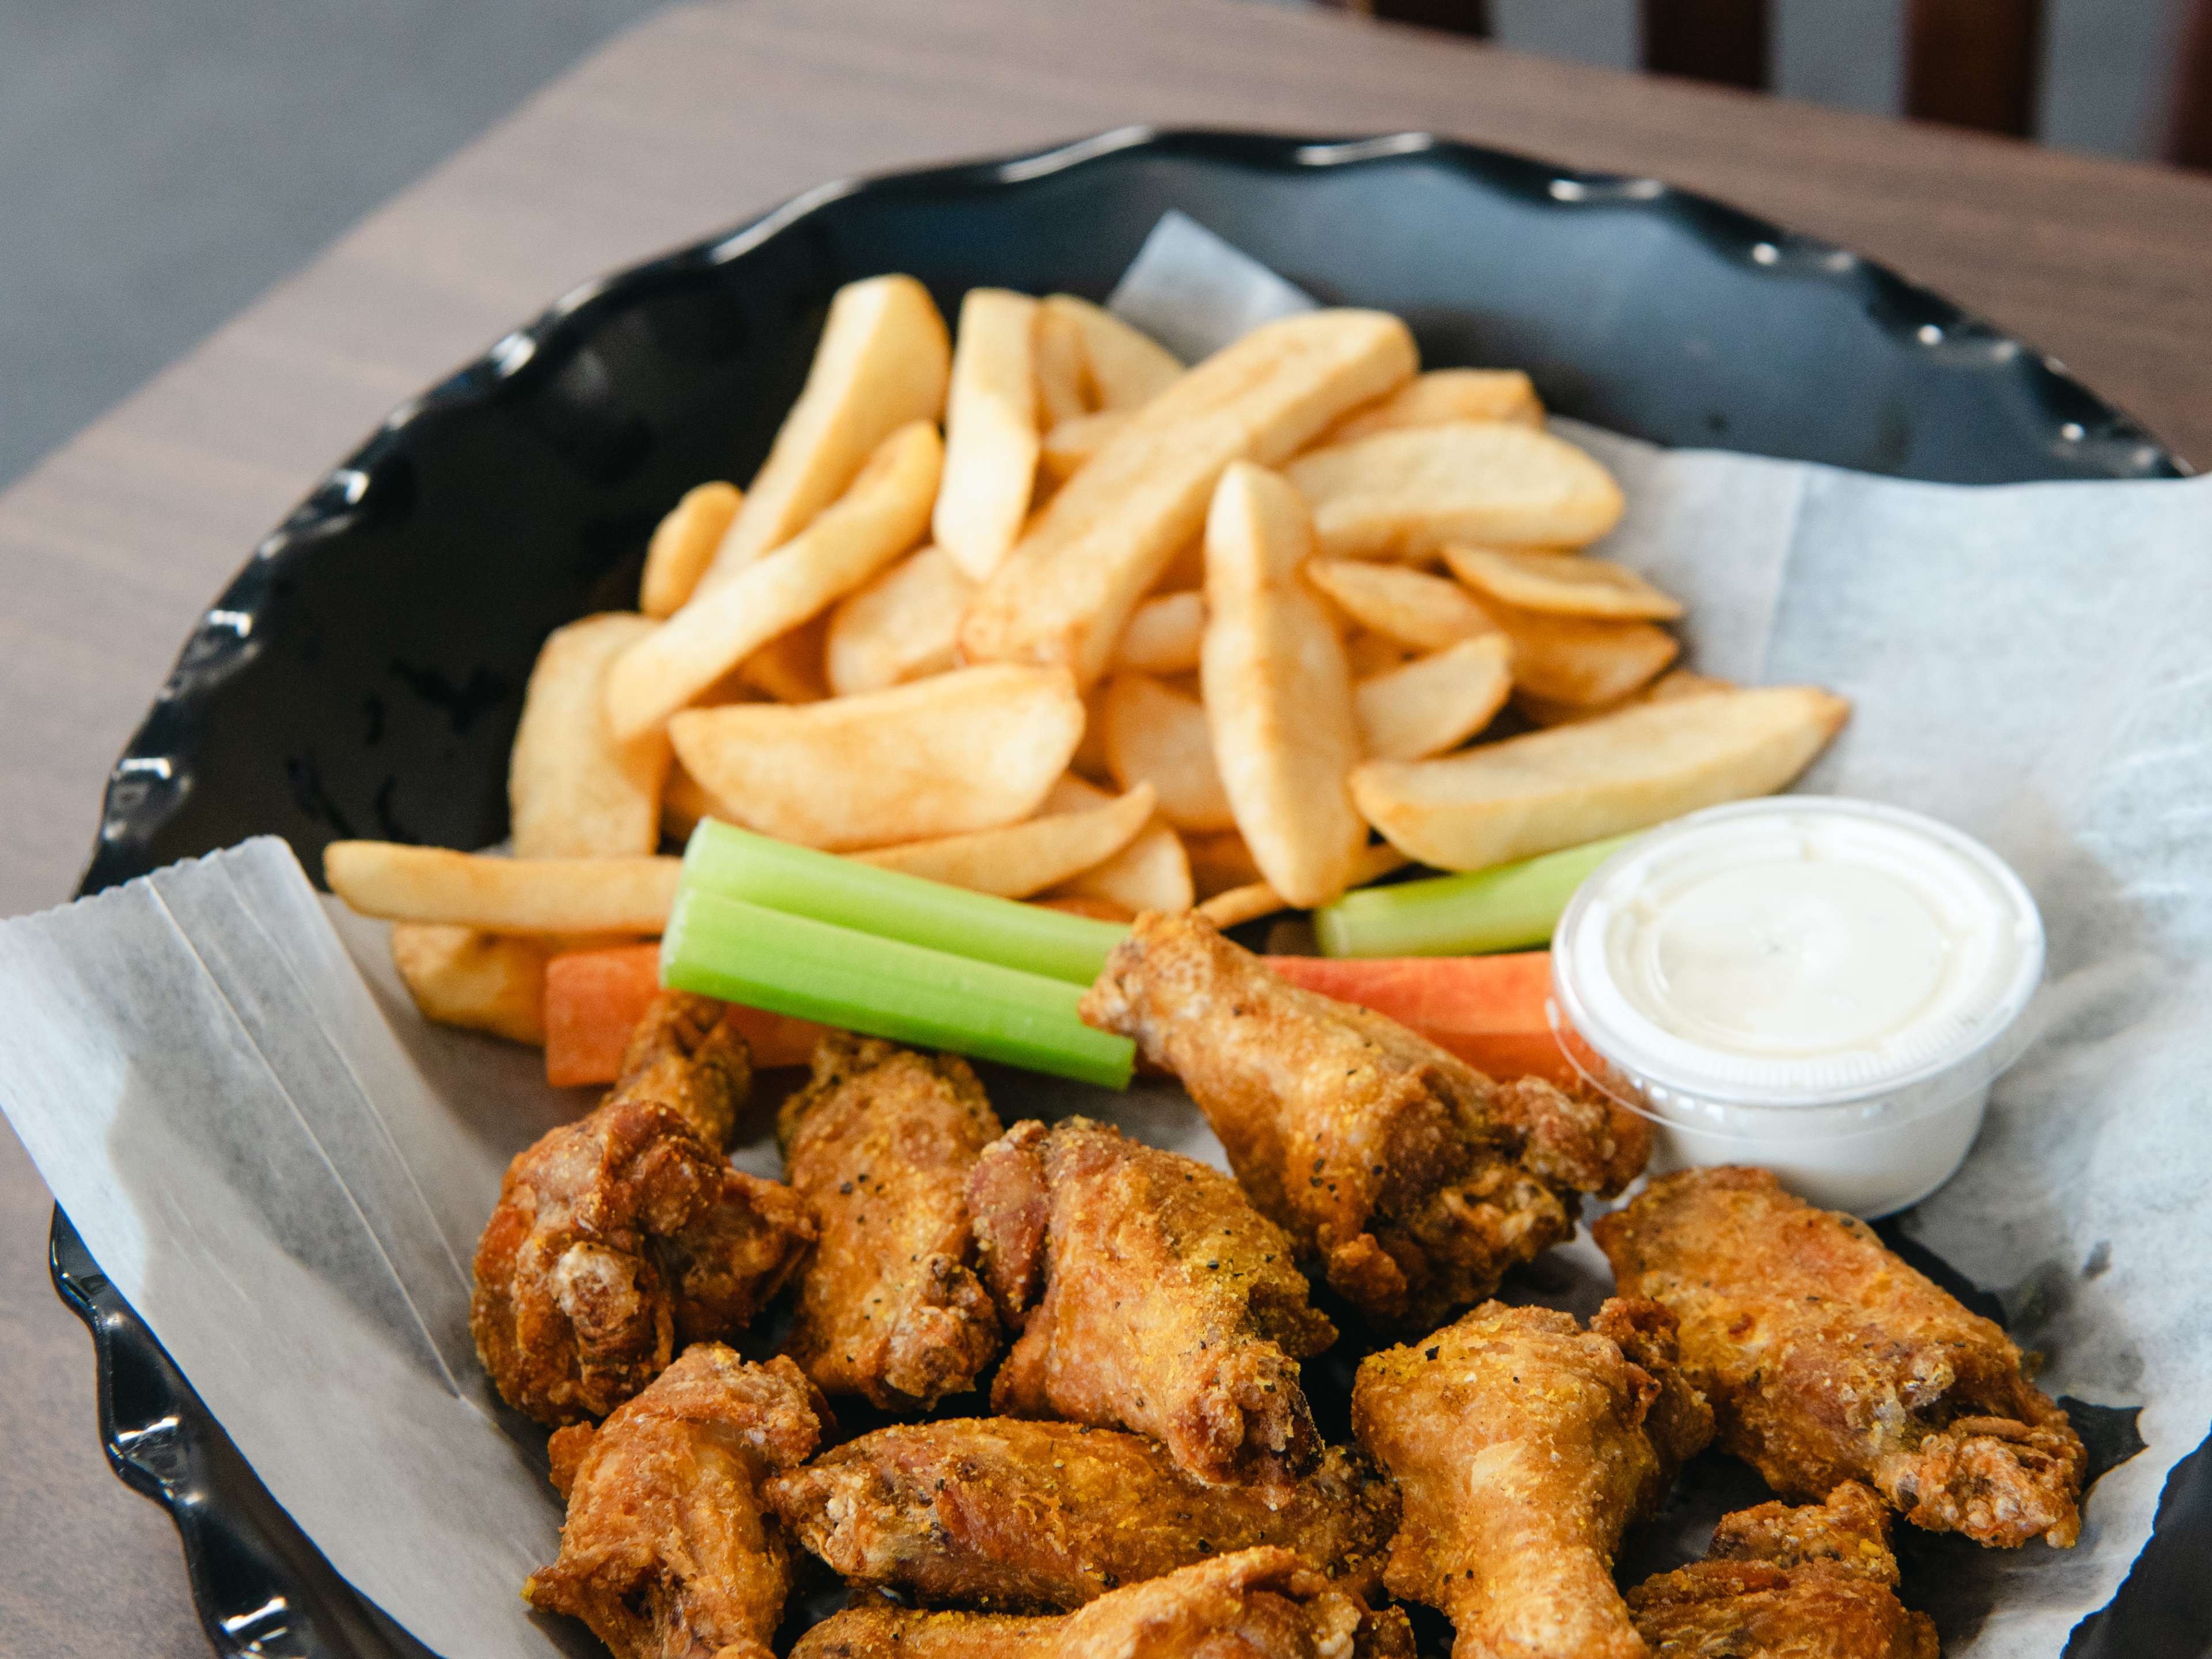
(594, 1000)
(1492, 1011)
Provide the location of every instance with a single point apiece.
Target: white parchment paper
(284, 1170)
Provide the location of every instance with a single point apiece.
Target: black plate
(363, 674)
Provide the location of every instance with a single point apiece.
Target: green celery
(737, 864)
(1508, 907)
(802, 966)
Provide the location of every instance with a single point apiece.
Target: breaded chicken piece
(1814, 1583)
(880, 1144)
(1003, 1513)
(1409, 1179)
(618, 1237)
(1151, 1296)
(1256, 1604)
(1828, 1359)
(686, 1054)
(667, 1552)
(1523, 1446)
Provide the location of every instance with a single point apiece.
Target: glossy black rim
(261, 1588)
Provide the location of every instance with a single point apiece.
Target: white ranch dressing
(1820, 986)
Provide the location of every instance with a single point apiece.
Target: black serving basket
(362, 675)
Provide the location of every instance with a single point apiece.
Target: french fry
(1234, 905)
(1675, 683)
(1159, 736)
(1580, 660)
(682, 546)
(790, 667)
(1064, 388)
(682, 803)
(1434, 702)
(480, 982)
(1150, 873)
(1163, 635)
(502, 894)
(1127, 368)
(1082, 904)
(1069, 443)
(970, 750)
(1278, 695)
(1446, 394)
(1065, 591)
(884, 360)
(1602, 777)
(991, 431)
(1405, 493)
(1368, 654)
(1022, 859)
(1219, 861)
(1417, 610)
(1560, 584)
(900, 626)
(881, 517)
(573, 790)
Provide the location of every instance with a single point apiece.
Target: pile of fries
(1119, 636)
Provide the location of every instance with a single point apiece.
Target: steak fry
(879, 1144)
(1256, 1604)
(1156, 1300)
(1412, 1180)
(1524, 1446)
(1815, 1583)
(1011, 1515)
(1828, 1359)
(666, 1552)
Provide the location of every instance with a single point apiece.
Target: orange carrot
(1489, 1011)
(594, 1000)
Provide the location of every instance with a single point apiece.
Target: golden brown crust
(667, 1552)
(879, 1144)
(1006, 1514)
(1828, 1359)
(1523, 1447)
(1810, 1583)
(1411, 1180)
(1256, 1604)
(686, 1054)
(1163, 1301)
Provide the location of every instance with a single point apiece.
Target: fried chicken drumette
(1814, 1583)
(621, 1237)
(1007, 1514)
(1828, 1359)
(880, 1144)
(667, 1552)
(1412, 1181)
(1151, 1296)
(1523, 1446)
(1256, 1604)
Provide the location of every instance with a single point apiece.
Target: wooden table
(697, 119)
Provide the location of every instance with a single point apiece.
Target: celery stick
(737, 864)
(1508, 907)
(798, 965)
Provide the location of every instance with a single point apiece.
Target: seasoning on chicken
(1007, 1514)
(1151, 1296)
(1411, 1180)
(1523, 1446)
(1828, 1359)
(879, 1145)
(667, 1552)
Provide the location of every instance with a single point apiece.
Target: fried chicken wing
(1004, 1513)
(1828, 1359)
(686, 1054)
(880, 1144)
(1523, 1446)
(1814, 1583)
(620, 1236)
(667, 1552)
(1151, 1297)
(1256, 1604)
(1408, 1178)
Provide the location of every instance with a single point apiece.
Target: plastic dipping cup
(1825, 987)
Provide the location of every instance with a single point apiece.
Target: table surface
(699, 118)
